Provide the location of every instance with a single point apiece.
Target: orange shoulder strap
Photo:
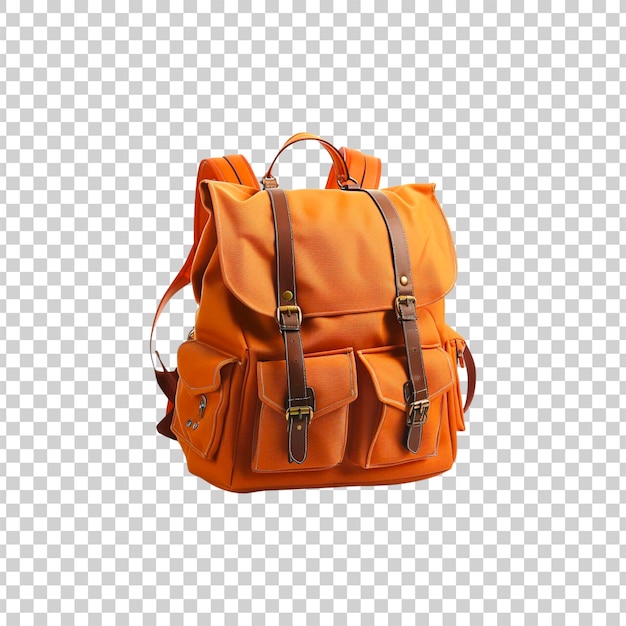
(365, 169)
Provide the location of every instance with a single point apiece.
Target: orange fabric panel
(337, 238)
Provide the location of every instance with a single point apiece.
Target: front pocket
(202, 396)
(332, 375)
(382, 417)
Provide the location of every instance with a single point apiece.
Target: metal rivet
(195, 425)
(404, 280)
(287, 295)
(189, 423)
(299, 427)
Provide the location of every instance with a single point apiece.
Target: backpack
(320, 355)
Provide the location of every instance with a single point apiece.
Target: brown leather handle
(341, 168)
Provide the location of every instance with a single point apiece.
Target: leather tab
(414, 438)
(297, 437)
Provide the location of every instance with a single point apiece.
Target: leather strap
(344, 179)
(471, 377)
(300, 402)
(416, 388)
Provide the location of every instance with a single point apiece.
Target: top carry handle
(340, 166)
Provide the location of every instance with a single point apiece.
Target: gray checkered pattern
(519, 119)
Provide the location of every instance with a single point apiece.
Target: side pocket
(384, 416)
(202, 396)
(333, 377)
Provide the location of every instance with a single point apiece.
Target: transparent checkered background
(519, 119)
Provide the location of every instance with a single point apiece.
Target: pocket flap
(387, 367)
(200, 366)
(330, 374)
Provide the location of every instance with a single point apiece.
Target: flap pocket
(332, 375)
(205, 376)
(200, 366)
(387, 371)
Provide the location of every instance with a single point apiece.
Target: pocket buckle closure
(417, 413)
(409, 302)
(299, 413)
(284, 317)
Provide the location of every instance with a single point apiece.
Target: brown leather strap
(344, 179)
(300, 401)
(416, 388)
(471, 377)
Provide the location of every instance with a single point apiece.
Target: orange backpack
(320, 355)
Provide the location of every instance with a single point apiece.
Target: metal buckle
(289, 309)
(403, 300)
(417, 413)
(269, 182)
(299, 412)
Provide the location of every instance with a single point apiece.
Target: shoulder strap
(364, 168)
(234, 168)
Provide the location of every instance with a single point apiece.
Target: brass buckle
(299, 412)
(289, 309)
(269, 182)
(417, 413)
(403, 300)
